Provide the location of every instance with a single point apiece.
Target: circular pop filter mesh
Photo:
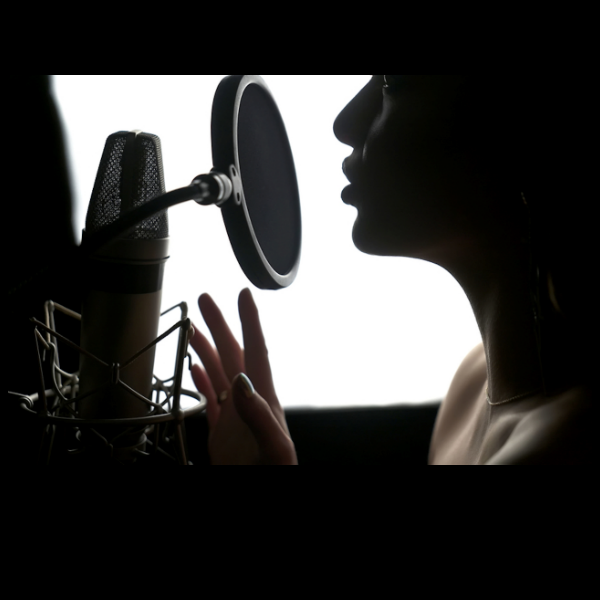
(269, 178)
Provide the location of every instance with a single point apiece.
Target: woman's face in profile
(417, 185)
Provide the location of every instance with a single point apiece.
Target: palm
(230, 441)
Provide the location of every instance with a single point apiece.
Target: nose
(353, 123)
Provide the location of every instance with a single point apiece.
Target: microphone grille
(130, 174)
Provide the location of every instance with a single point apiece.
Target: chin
(387, 238)
(369, 239)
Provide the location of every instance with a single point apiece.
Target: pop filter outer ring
(263, 217)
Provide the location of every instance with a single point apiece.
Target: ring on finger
(223, 397)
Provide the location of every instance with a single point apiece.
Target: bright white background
(353, 330)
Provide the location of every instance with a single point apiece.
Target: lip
(348, 195)
(348, 192)
(347, 170)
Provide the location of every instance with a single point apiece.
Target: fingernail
(245, 386)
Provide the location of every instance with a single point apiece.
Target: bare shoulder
(473, 357)
(556, 431)
(460, 402)
(561, 432)
(471, 373)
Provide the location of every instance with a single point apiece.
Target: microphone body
(120, 316)
(122, 296)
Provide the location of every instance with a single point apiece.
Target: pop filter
(253, 181)
(250, 145)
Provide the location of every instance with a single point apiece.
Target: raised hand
(249, 427)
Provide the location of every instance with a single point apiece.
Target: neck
(503, 310)
(516, 348)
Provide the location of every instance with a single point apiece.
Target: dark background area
(39, 229)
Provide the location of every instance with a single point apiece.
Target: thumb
(273, 442)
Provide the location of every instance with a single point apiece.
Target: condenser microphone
(122, 290)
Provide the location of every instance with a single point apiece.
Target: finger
(211, 361)
(230, 352)
(256, 354)
(204, 386)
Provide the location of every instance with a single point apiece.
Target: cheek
(398, 149)
(383, 147)
(410, 161)
(394, 169)
(411, 193)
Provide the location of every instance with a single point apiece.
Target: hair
(531, 133)
(534, 130)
